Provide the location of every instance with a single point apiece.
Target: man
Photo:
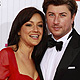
(63, 63)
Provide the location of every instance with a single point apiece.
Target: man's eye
(28, 25)
(40, 25)
(51, 14)
(63, 15)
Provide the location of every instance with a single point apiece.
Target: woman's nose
(35, 28)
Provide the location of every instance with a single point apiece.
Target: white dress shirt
(52, 58)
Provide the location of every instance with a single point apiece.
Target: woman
(26, 42)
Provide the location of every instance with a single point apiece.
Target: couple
(32, 55)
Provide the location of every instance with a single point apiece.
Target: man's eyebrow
(63, 13)
(50, 12)
(53, 13)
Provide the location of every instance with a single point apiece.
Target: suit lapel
(69, 55)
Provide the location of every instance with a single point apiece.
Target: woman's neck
(25, 50)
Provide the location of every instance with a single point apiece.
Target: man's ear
(73, 17)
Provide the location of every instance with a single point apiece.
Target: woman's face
(32, 31)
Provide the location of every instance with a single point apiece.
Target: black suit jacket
(69, 66)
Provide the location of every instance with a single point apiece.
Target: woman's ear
(19, 33)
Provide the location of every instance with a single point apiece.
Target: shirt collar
(64, 38)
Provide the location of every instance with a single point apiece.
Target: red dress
(9, 68)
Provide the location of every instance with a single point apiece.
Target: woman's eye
(28, 25)
(40, 25)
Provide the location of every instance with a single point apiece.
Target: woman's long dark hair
(22, 17)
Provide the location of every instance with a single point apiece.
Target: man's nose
(56, 20)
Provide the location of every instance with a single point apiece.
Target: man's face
(59, 20)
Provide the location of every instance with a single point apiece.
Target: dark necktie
(52, 43)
